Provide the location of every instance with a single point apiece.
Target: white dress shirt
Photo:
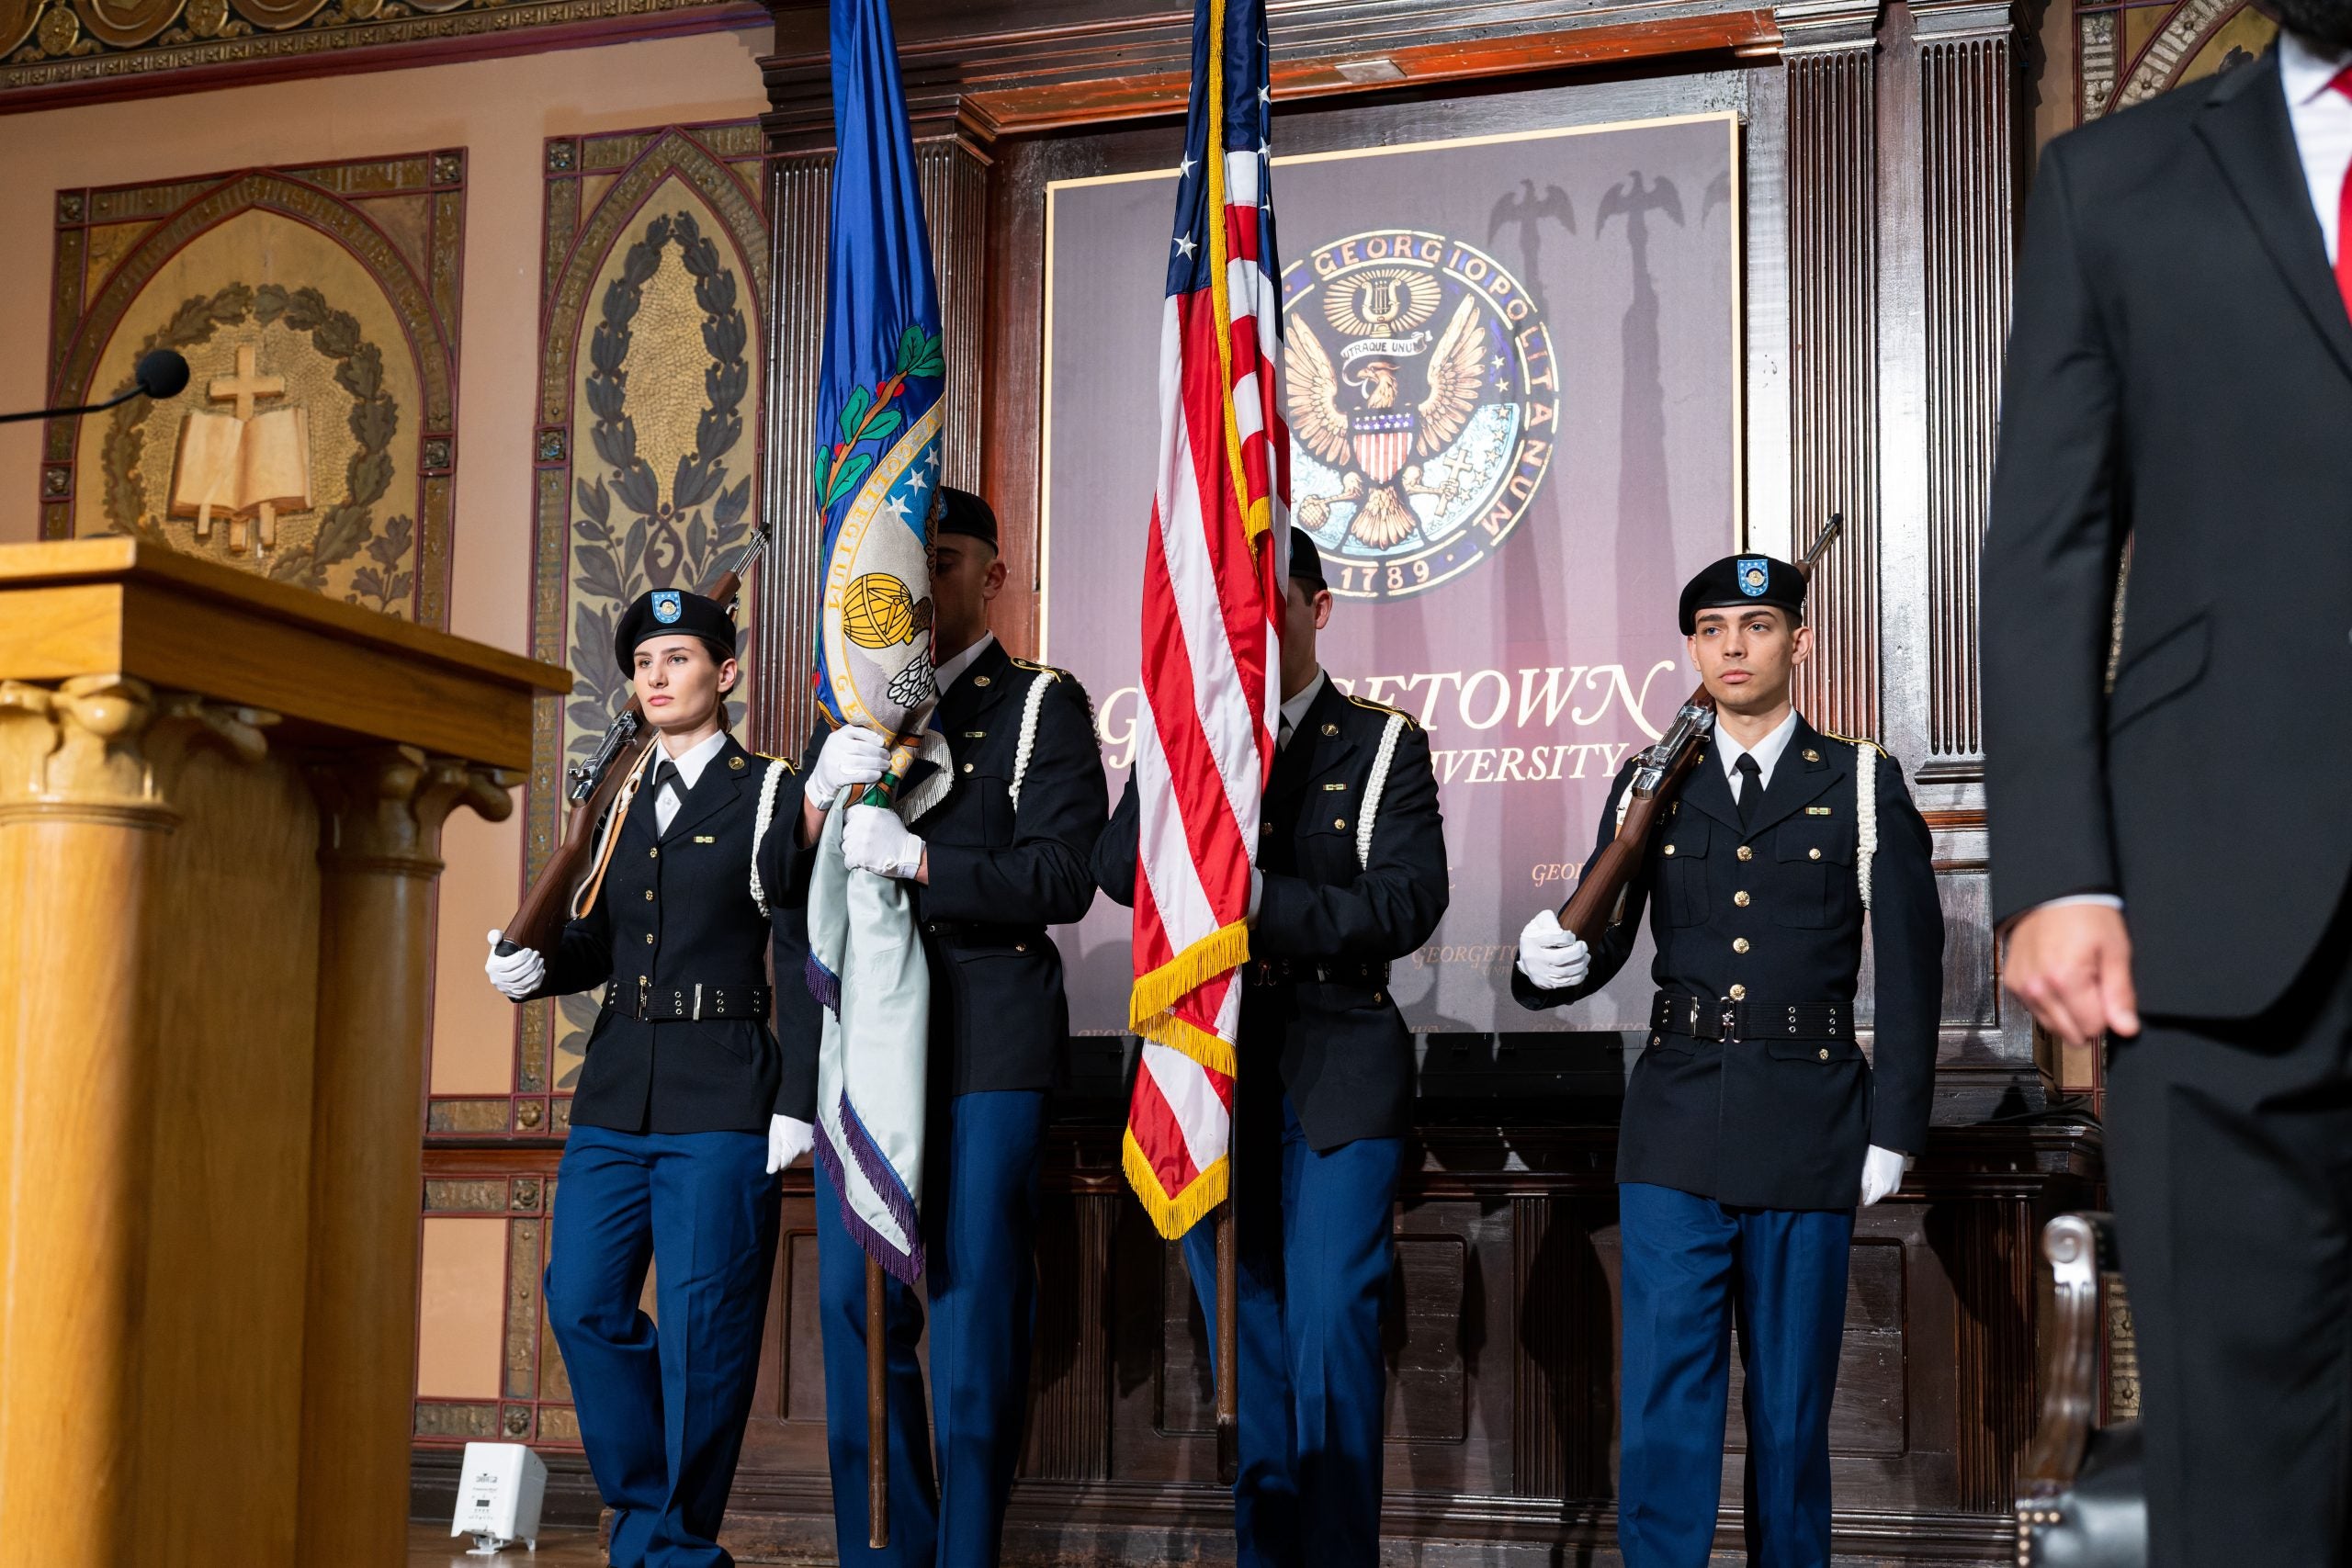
(690, 767)
(1294, 712)
(1766, 751)
(953, 670)
(2322, 119)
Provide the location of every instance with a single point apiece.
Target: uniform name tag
(706, 838)
(1341, 785)
(1817, 811)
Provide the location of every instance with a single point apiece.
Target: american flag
(1214, 574)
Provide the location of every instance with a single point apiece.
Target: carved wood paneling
(1968, 163)
(1833, 363)
(1069, 1410)
(955, 175)
(801, 192)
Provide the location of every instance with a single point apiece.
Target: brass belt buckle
(697, 1001)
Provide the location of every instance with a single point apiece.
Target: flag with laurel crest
(877, 472)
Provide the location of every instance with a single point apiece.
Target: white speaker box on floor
(499, 1487)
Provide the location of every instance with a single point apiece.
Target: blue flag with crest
(877, 472)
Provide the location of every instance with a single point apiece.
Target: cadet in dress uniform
(1004, 856)
(1752, 1122)
(1350, 875)
(670, 1154)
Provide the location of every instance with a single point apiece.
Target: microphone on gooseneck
(162, 374)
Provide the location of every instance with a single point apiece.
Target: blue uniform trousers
(1691, 1268)
(980, 1215)
(1314, 1256)
(662, 1411)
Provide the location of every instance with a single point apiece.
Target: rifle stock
(1599, 901)
(539, 922)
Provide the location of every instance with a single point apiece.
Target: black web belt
(1309, 971)
(669, 1004)
(1728, 1021)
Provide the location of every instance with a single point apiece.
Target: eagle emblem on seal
(1398, 393)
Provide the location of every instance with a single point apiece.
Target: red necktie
(2343, 83)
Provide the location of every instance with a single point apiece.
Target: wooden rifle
(590, 786)
(1599, 901)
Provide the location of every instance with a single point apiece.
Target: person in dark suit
(668, 1158)
(1753, 1121)
(1001, 858)
(2170, 851)
(1351, 877)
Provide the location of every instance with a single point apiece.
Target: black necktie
(665, 772)
(1751, 789)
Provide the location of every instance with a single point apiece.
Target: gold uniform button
(1812, 854)
(1339, 822)
(1669, 849)
(1813, 756)
(738, 765)
(968, 767)
(1380, 998)
(648, 939)
(1265, 830)
(648, 896)
(653, 854)
(1738, 944)
(1745, 852)
(1020, 947)
(1740, 993)
(1740, 898)
(1824, 1052)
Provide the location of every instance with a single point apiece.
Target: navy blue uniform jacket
(1345, 1056)
(676, 910)
(1000, 874)
(1773, 915)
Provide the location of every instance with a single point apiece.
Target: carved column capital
(381, 808)
(71, 752)
(1817, 27)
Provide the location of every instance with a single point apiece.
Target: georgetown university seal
(1423, 404)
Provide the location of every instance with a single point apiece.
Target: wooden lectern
(220, 809)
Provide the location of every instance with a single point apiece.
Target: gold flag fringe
(1172, 1216)
(1149, 1004)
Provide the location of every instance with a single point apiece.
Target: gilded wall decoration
(648, 440)
(57, 49)
(2127, 51)
(317, 309)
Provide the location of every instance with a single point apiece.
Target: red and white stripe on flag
(1214, 574)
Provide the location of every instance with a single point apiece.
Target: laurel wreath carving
(374, 420)
(628, 537)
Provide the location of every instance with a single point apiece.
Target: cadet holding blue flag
(1753, 1123)
(680, 1124)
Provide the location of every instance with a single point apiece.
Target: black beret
(673, 612)
(1306, 560)
(1743, 580)
(961, 511)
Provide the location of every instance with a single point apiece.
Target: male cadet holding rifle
(1752, 1122)
(683, 1116)
(1350, 875)
(1002, 857)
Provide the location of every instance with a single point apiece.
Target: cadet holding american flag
(1281, 844)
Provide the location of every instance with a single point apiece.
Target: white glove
(1881, 1173)
(875, 839)
(518, 973)
(1554, 958)
(1257, 894)
(850, 755)
(787, 1141)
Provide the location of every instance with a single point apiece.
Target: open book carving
(245, 465)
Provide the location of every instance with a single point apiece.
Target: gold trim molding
(66, 45)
